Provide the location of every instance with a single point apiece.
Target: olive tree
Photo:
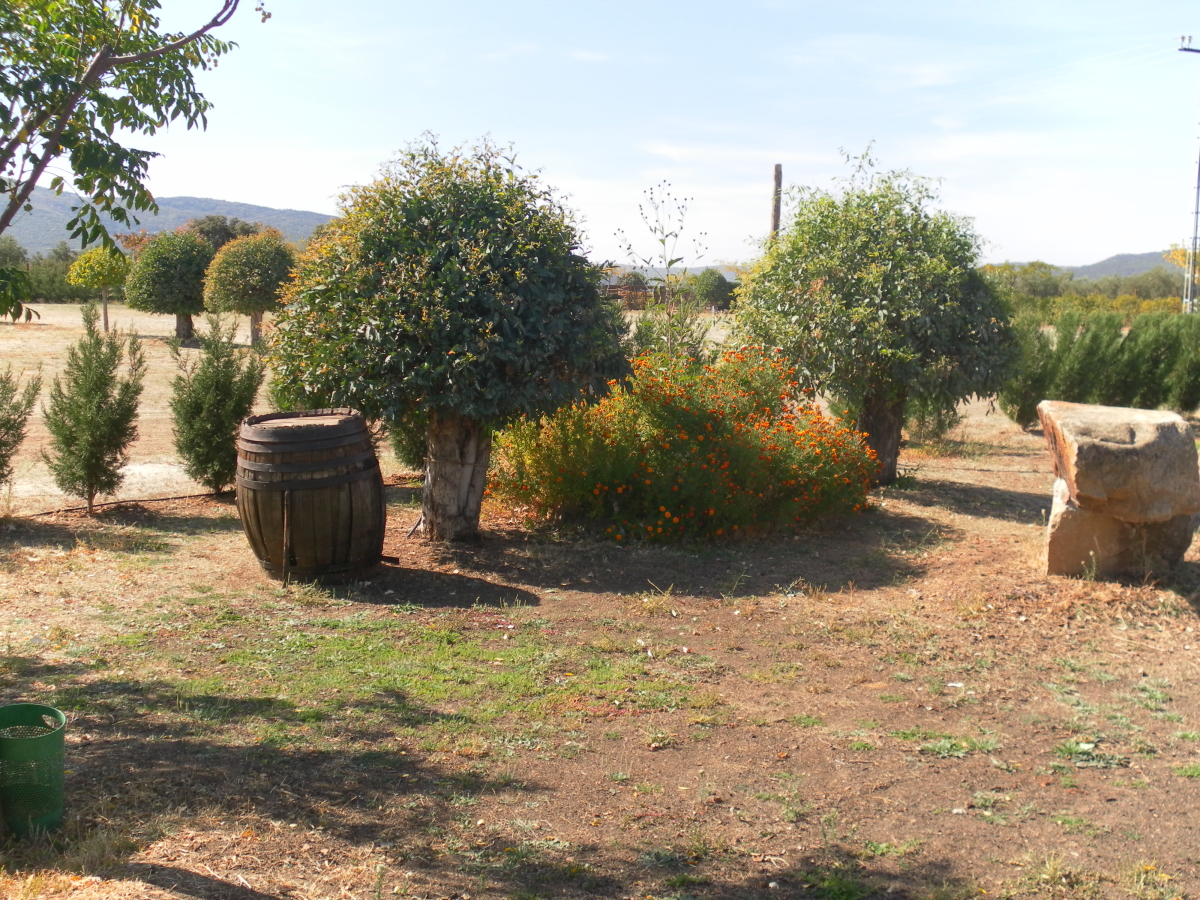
(104, 268)
(247, 275)
(167, 278)
(452, 292)
(877, 297)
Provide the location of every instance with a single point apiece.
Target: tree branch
(223, 15)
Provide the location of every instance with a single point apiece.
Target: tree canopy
(877, 296)
(78, 74)
(247, 275)
(100, 267)
(710, 288)
(220, 230)
(453, 289)
(455, 281)
(167, 278)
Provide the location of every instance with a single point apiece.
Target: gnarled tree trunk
(184, 329)
(458, 450)
(256, 328)
(881, 419)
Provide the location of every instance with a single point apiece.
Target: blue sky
(1067, 130)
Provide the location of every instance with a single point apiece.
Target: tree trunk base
(458, 452)
(256, 328)
(184, 329)
(882, 420)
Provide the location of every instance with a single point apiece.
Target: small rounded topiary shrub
(686, 451)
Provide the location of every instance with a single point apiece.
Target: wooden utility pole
(777, 199)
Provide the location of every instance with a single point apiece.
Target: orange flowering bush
(688, 451)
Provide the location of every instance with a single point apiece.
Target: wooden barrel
(310, 495)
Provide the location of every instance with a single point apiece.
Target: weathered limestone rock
(1081, 542)
(1135, 465)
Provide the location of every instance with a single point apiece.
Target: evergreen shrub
(211, 395)
(15, 406)
(92, 414)
(687, 451)
(1093, 359)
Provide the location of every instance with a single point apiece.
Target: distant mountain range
(1123, 264)
(42, 229)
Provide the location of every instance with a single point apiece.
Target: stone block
(1081, 542)
(1135, 465)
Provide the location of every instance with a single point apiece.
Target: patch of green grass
(1084, 754)
(1191, 770)
(683, 879)
(1146, 881)
(876, 849)
(1154, 693)
(805, 721)
(1073, 824)
(947, 747)
(663, 859)
(918, 734)
(861, 745)
(892, 698)
(835, 882)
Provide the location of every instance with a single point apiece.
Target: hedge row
(1093, 359)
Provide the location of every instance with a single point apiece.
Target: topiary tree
(210, 396)
(878, 298)
(15, 406)
(92, 413)
(167, 278)
(104, 268)
(710, 289)
(453, 291)
(247, 275)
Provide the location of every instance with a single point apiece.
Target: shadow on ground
(978, 500)
(126, 528)
(399, 585)
(136, 774)
(878, 548)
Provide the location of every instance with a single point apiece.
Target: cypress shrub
(1147, 358)
(1030, 381)
(1155, 363)
(1091, 348)
(213, 393)
(15, 407)
(92, 416)
(1185, 376)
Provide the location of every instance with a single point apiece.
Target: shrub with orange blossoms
(688, 451)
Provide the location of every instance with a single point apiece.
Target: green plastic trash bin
(31, 767)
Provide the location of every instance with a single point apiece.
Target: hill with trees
(40, 231)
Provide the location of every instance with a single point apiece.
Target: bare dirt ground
(893, 704)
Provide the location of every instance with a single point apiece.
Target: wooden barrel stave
(336, 529)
